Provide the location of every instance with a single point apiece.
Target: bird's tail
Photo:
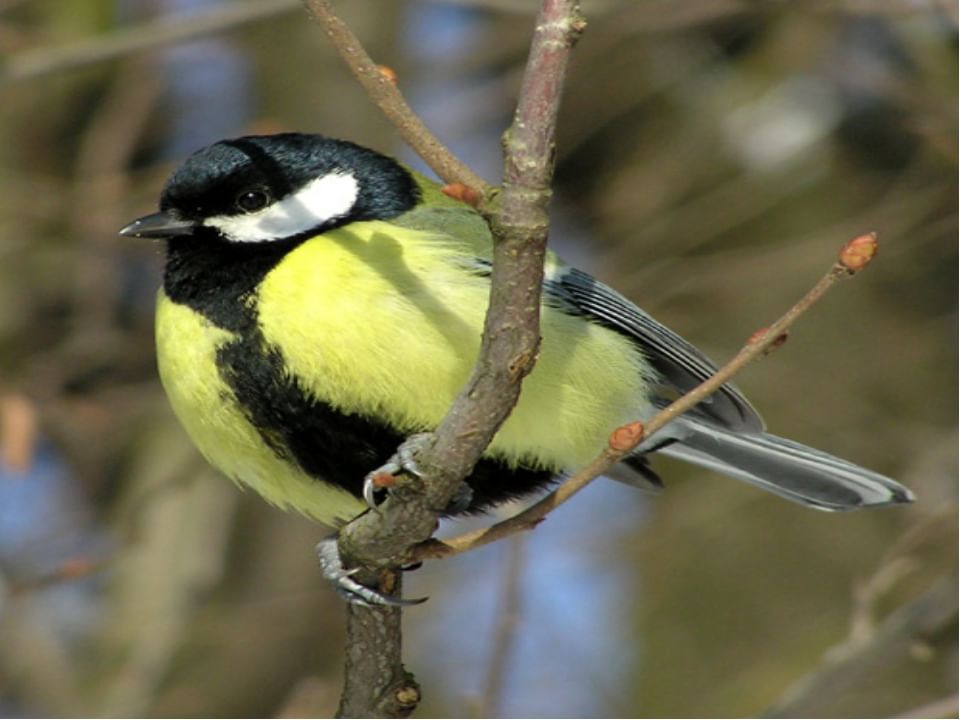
(791, 470)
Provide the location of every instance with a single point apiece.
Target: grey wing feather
(724, 434)
(679, 363)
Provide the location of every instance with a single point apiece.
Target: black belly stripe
(331, 445)
(219, 281)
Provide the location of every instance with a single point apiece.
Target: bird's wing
(680, 365)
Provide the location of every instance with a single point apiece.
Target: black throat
(216, 278)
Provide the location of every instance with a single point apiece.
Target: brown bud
(408, 695)
(389, 74)
(759, 336)
(459, 191)
(626, 437)
(858, 253)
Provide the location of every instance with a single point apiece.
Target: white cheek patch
(325, 199)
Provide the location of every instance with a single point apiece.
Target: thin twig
(102, 184)
(634, 435)
(383, 91)
(32, 64)
(896, 562)
(923, 620)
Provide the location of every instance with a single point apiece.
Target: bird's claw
(349, 589)
(402, 461)
(461, 501)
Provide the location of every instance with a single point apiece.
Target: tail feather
(783, 467)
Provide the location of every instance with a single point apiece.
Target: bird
(322, 303)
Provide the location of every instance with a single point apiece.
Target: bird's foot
(328, 552)
(403, 461)
(461, 500)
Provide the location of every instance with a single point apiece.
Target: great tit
(321, 303)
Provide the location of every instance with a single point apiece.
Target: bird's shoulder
(438, 212)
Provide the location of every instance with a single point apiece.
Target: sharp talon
(406, 453)
(349, 589)
(370, 492)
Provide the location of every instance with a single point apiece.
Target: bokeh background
(713, 155)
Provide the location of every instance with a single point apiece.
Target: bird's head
(268, 188)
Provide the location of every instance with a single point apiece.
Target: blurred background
(713, 155)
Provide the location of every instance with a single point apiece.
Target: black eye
(252, 200)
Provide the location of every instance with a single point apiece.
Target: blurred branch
(526, 7)
(138, 38)
(507, 620)
(669, 16)
(943, 708)
(36, 664)
(919, 621)
(173, 556)
(102, 184)
(626, 439)
(658, 16)
(383, 91)
(18, 431)
(897, 562)
(67, 571)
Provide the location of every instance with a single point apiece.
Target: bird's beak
(158, 225)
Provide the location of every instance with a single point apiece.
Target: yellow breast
(392, 329)
(186, 351)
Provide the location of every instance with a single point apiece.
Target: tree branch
(383, 91)
(511, 336)
(375, 683)
(853, 256)
(922, 620)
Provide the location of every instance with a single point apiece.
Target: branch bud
(626, 437)
(389, 74)
(459, 191)
(857, 253)
(408, 696)
(759, 336)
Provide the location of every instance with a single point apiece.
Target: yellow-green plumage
(384, 319)
(321, 303)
